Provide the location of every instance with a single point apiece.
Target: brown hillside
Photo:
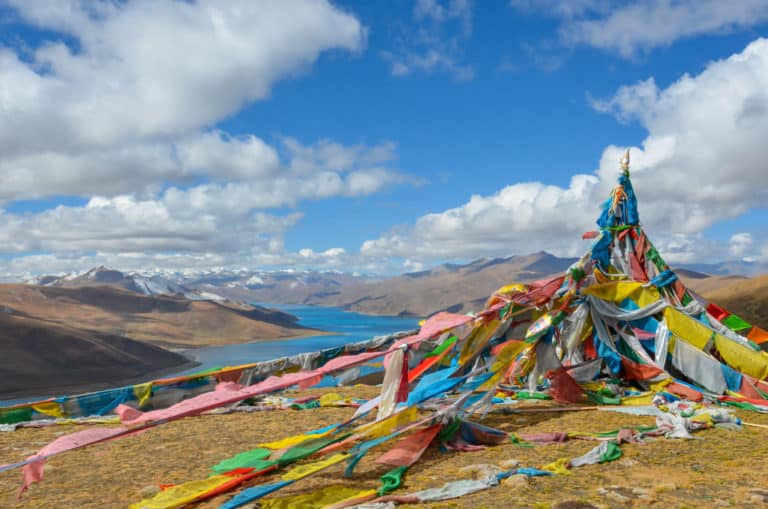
(747, 298)
(708, 284)
(37, 355)
(163, 320)
(449, 287)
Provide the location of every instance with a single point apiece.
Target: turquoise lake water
(348, 326)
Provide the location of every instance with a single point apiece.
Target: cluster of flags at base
(618, 328)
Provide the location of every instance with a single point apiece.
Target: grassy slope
(717, 471)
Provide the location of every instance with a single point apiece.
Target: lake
(348, 326)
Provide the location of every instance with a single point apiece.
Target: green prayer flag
(308, 448)
(306, 406)
(392, 480)
(442, 347)
(736, 323)
(519, 441)
(14, 415)
(255, 458)
(612, 452)
(603, 399)
(449, 430)
(656, 258)
(532, 395)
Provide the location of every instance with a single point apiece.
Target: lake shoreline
(322, 327)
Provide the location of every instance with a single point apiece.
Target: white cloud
(740, 244)
(700, 163)
(413, 266)
(127, 224)
(563, 8)
(210, 216)
(441, 13)
(628, 28)
(314, 171)
(148, 69)
(434, 43)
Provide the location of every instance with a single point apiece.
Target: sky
(375, 137)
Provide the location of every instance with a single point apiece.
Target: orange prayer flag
(758, 335)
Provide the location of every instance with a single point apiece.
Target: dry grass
(719, 470)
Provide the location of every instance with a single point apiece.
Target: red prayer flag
(402, 389)
(684, 391)
(563, 388)
(748, 389)
(408, 450)
(717, 312)
(636, 371)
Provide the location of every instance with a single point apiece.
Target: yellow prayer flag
(638, 400)
(618, 291)
(559, 467)
(503, 361)
(303, 471)
(659, 386)
(181, 494)
(142, 392)
(478, 339)
(513, 288)
(742, 358)
(378, 429)
(325, 497)
(688, 329)
(291, 441)
(49, 408)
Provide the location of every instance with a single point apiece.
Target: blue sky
(374, 136)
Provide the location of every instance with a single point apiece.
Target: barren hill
(747, 298)
(38, 355)
(456, 288)
(163, 320)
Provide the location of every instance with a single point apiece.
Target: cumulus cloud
(628, 28)
(700, 163)
(127, 224)
(148, 69)
(213, 215)
(434, 43)
(740, 244)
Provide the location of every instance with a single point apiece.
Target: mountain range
(452, 287)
